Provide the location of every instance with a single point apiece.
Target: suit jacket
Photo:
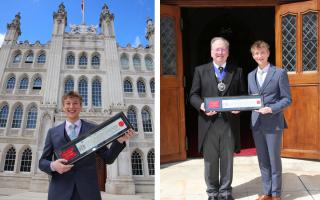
(276, 95)
(83, 174)
(205, 85)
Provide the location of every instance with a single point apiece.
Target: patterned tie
(72, 134)
(260, 77)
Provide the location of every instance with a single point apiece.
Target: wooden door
(101, 173)
(172, 116)
(297, 51)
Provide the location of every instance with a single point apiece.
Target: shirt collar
(78, 123)
(217, 66)
(265, 69)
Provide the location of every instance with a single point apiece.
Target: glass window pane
(32, 117)
(17, 117)
(83, 91)
(10, 159)
(4, 116)
(141, 87)
(68, 86)
(24, 84)
(96, 93)
(151, 162)
(132, 117)
(289, 52)
(42, 59)
(136, 162)
(146, 121)
(26, 158)
(127, 86)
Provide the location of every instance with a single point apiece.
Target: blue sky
(37, 20)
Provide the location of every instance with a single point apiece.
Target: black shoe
(229, 197)
(213, 198)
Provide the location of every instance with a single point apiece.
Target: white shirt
(264, 71)
(78, 126)
(217, 66)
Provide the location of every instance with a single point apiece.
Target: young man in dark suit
(79, 181)
(268, 122)
(218, 133)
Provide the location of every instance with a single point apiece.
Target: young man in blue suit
(268, 122)
(78, 181)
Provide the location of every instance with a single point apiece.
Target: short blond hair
(258, 45)
(71, 94)
(213, 40)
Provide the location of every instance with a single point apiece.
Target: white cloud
(1, 39)
(137, 42)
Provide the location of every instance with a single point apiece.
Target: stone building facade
(110, 78)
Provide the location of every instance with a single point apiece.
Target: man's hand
(235, 112)
(264, 110)
(129, 133)
(60, 166)
(210, 113)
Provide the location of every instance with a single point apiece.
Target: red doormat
(247, 152)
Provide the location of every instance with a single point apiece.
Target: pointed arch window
(152, 86)
(141, 87)
(96, 93)
(17, 58)
(17, 117)
(24, 83)
(42, 58)
(32, 117)
(68, 86)
(70, 60)
(150, 158)
(149, 63)
(132, 117)
(124, 61)
(136, 62)
(83, 60)
(26, 159)
(95, 61)
(4, 116)
(127, 86)
(11, 83)
(83, 91)
(37, 84)
(136, 161)
(146, 120)
(29, 58)
(10, 159)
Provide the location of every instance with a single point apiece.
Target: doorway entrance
(241, 26)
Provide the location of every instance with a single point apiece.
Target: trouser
(268, 152)
(218, 151)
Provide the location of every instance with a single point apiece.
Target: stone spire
(150, 32)
(13, 29)
(59, 20)
(106, 21)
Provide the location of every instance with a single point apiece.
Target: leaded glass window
(24, 83)
(95, 61)
(4, 116)
(17, 58)
(152, 86)
(10, 159)
(136, 162)
(309, 41)
(70, 59)
(17, 117)
(32, 117)
(11, 83)
(124, 61)
(37, 84)
(96, 93)
(149, 63)
(289, 52)
(42, 58)
(132, 117)
(151, 162)
(146, 120)
(29, 58)
(141, 87)
(168, 45)
(127, 86)
(83, 60)
(136, 62)
(26, 158)
(83, 91)
(68, 86)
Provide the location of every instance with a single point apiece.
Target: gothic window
(136, 62)
(17, 117)
(146, 120)
(70, 60)
(29, 58)
(83, 60)
(42, 58)
(26, 159)
(10, 159)
(289, 51)
(149, 63)
(151, 162)
(32, 117)
(127, 86)
(4, 116)
(37, 83)
(141, 87)
(24, 83)
(136, 162)
(83, 91)
(96, 93)
(132, 117)
(152, 86)
(17, 58)
(95, 61)
(11, 83)
(124, 61)
(68, 86)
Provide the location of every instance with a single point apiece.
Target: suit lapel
(83, 128)
(228, 78)
(269, 76)
(213, 79)
(254, 81)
